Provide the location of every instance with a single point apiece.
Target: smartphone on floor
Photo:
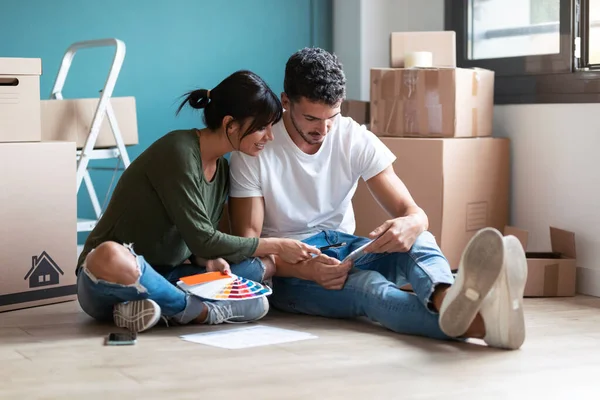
(121, 339)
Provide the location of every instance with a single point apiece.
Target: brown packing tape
(475, 84)
(410, 117)
(375, 98)
(433, 106)
(476, 79)
(551, 272)
(408, 99)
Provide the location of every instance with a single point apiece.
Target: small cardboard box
(20, 99)
(550, 274)
(462, 185)
(38, 224)
(432, 102)
(71, 119)
(441, 44)
(357, 110)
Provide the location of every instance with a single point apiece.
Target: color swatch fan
(218, 286)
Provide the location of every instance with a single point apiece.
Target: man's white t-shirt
(305, 194)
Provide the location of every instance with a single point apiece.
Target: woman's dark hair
(241, 95)
(315, 74)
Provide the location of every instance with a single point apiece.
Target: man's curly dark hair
(315, 74)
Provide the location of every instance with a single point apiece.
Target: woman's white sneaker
(502, 309)
(232, 311)
(137, 316)
(480, 266)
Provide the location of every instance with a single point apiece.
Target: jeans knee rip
(137, 285)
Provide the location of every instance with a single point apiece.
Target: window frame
(552, 78)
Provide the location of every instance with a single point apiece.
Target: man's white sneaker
(502, 309)
(137, 316)
(479, 268)
(236, 311)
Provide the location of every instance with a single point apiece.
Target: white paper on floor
(252, 336)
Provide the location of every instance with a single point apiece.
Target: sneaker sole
(480, 266)
(137, 316)
(516, 275)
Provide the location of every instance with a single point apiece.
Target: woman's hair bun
(198, 98)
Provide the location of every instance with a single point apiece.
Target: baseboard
(588, 281)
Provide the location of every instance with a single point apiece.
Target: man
(301, 187)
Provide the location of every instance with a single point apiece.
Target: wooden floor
(57, 352)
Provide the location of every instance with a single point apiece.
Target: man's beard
(306, 136)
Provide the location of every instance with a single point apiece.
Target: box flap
(520, 234)
(20, 66)
(563, 242)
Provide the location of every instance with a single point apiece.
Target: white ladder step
(101, 154)
(85, 225)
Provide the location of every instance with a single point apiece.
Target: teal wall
(172, 46)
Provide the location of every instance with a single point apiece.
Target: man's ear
(285, 101)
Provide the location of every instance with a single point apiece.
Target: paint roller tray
(218, 286)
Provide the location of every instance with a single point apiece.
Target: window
(513, 28)
(542, 51)
(48, 275)
(41, 279)
(593, 25)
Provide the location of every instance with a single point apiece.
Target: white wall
(555, 162)
(556, 177)
(346, 42)
(361, 33)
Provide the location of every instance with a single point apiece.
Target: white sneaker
(236, 311)
(137, 316)
(502, 309)
(480, 266)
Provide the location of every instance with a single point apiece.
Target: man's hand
(218, 264)
(396, 235)
(328, 272)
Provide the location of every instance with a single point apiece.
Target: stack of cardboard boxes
(437, 120)
(38, 201)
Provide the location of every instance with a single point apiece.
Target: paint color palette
(223, 287)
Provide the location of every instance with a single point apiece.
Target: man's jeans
(372, 289)
(97, 297)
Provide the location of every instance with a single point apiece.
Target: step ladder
(103, 109)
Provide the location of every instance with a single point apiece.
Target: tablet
(356, 254)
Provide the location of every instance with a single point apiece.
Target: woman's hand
(294, 251)
(218, 264)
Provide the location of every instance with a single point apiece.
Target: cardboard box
(550, 274)
(462, 184)
(441, 44)
(432, 102)
(20, 99)
(71, 119)
(38, 224)
(360, 111)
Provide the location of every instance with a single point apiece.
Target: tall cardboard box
(71, 119)
(38, 224)
(20, 99)
(432, 102)
(441, 44)
(462, 185)
(552, 273)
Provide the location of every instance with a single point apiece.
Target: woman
(167, 206)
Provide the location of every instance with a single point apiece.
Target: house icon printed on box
(44, 271)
